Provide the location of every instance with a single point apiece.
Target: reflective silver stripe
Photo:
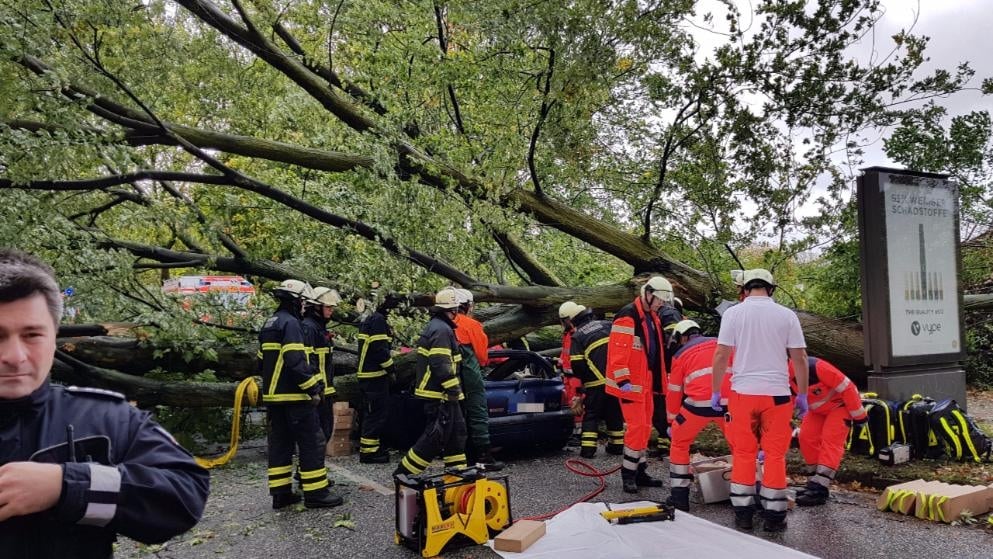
(769, 493)
(740, 489)
(857, 413)
(705, 372)
(825, 471)
(675, 388)
(622, 330)
(820, 480)
(105, 479)
(776, 506)
(637, 343)
(670, 416)
(844, 385)
(679, 468)
(680, 482)
(742, 501)
(622, 373)
(819, 403)
(697, 403)
(773, 499)
(628, 464)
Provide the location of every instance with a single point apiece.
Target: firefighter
(374, 370)
(760, 406)
(437, 382)
(317, 313)
(474, 349)
(635, 367)
(588, 351)
(573, 386)
(290, 388)
(688, 404)
(835, 405)
(78, 466)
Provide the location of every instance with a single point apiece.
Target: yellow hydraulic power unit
(652, 513)
(455, 507)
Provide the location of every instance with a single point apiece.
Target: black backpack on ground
(878, 432)
(914, 428)
(962, 438)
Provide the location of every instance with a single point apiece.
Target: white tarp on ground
(580, 532)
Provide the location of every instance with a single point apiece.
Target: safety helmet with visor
(660, 287)
(570, 309)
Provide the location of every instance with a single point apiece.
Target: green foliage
(979, 350)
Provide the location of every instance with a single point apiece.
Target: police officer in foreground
(77, 466)
(291, 390)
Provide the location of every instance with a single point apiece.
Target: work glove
(761, 456)
(627, 387)
(715, 401)
(317, 389)
(801, 405)
(452, 394)
(668, 432)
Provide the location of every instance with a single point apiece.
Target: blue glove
(801, 405)
(761, 456)
(668, 432)
(627, 387)
(715, 401)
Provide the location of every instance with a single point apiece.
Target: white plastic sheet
(580, 531)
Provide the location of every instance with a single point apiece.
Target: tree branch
(535, 270)
(546, 107)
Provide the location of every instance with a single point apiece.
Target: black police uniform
(588, 355)
(668, 316)
(122, 474)
(288, 382)
(315, 335)
(437, 381)
(375, 340)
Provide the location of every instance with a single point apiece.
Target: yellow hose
(248, 387)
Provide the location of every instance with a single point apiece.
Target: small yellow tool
(654, 513)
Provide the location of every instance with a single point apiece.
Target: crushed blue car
(525, 397)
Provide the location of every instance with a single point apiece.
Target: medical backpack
(914, 428)
(961, 437)
(878, 432)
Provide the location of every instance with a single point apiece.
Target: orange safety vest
(627, 354)
(829, 388)
(690, 379)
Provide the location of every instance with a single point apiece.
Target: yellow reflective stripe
(371, 374)
(267, 346)
(417, 459)
(387, 363)
(589, 361)
(315, 486)
(273, 483)
(259, 354)
(455, 458)
(622, 330)
(434, 351)
(285, 398)
(374, 338)
(322, 350)
(314, 379)
(953, 437)
(967, 437)
(594, 383)
(292, 347)
(576, 357)
(309, 474)
(452, 382)
(280, 470)
(363, 440)
(411, 467)
(456, 359)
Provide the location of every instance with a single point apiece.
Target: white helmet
(757, 274)
(447, 299)
(684, 326)
(325, 296)
(295, 288)
(463, 296)
(570, 309)
(660, 287)
(736, 277)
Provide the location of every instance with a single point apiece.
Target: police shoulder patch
(98, 392)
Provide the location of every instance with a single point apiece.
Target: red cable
(577, 467)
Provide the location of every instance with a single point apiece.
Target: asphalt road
(240, 523)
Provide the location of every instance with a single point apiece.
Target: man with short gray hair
(77, 465)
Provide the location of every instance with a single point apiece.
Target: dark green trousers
(474, 407)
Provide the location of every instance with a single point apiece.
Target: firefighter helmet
(293, 289)
(463, 296)
(684, 326)
(659, 286)
(325, 296)
(570, 309)
(447, 299)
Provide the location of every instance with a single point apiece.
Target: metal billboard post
(910, 267)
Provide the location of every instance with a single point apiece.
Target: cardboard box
(946, 502)
(343, 422)
(520, 536)
(900, 497)
(923, 500)
(337, 447)
(341, 408)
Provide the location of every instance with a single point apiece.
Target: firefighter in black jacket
(290, 388)
(317, 312)
(78, 466)
(588, 355)
(437, 382)
(375, 366)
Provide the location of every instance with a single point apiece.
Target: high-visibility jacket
(438, 359)
(565, 357)
(588, 351)
(315, 336)
(627, 355)
(285, 369)
(690, 379)
(375, 339)
(829, 388)
(469, 331)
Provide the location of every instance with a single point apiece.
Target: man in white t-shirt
(761, 333)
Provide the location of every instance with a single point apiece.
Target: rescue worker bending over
(437, 382)
(375, 364)
(290, 390)
(317, 313)
(835, 405)
(636, 365)
(78, 466)
(688, 404)
(761, 332)
(573, 386)
(474, 349)
(588, 350)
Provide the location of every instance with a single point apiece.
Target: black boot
(615, 449)
(587, 452)
(321, 500)
(283, 500)
(628, 478)
(775, 521)
(642, 479)
(486, 460)
(679, 498)
(814, 494)
(744, 518)
(381, 456)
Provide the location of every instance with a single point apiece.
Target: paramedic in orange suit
(760, 408)
(688, 404)
(636, 364)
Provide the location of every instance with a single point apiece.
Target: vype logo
(928, 327)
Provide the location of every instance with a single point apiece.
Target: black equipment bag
(878, 432)
(962, 438)
(914, 428)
